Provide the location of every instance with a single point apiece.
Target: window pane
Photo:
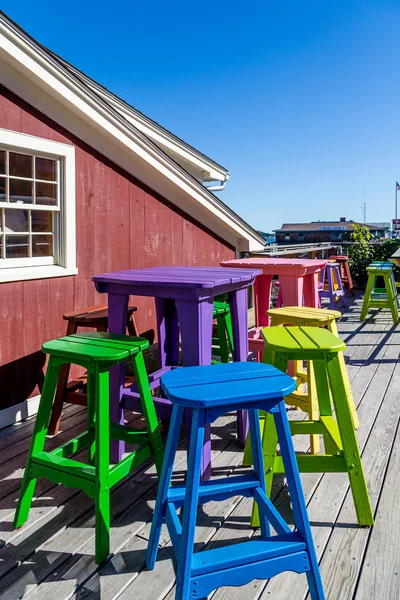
(17, 246)
(20, 191)
(3, 184)
(20, 165)
(42, 221)
(17, 220)
(42, 245)
(46, 169)
(2, 161)
(46, 193)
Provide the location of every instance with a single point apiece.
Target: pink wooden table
(298, 279)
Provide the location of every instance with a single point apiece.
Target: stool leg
(367, 297)
(229, 332)
(313, 406)
(91, 412)
(324, 400)
(56, 413)
(149, 411)
(297, 498)
(349, 441)
(38, 441)
(392, 299)
(269, 444)
(331, 289)
(102, 466)
(164, 483)
(256, 447)
(190, 506)
(223, 344)
(356, 423)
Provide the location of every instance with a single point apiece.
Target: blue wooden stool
(211, 391)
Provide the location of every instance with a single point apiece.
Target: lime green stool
(96, 352)
(380, 297)
(321, 348)
(223, 344)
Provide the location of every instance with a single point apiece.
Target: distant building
(269, 237)
(325, 231)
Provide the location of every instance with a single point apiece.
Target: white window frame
(21, 142)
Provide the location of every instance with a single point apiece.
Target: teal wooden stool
(210, 391)
(96, 352)
(385, 297)
(223, 344)
(320, 348)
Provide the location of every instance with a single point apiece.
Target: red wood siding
(120, 224)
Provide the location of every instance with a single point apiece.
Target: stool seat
(97, 346)
(207, 386)
(302, 343)
(302, 315)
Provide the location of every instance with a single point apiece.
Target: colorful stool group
(98, 353)
(332, 287)
(378, 297)
(210, 391)
(321, 348)
(345, 273)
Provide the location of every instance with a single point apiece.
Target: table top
(179, 277)
(278, 266)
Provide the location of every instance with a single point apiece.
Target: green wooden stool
(380, 297)
(322, 348)
(223, 344)
(96, 352)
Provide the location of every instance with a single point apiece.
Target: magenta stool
(330, 277)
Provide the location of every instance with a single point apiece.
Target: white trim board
(19, 412)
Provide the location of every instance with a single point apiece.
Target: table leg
(168, 332)
(117, 316)
(239, 307)
(195, 322)
(292, 290)
(262, 299)
(311, 295)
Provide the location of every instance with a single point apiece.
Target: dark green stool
(97, 353)
(376, 297)
(223, 344)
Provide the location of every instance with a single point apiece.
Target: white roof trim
(33, 62)
(208, 170)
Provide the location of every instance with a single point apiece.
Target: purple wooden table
(185, 304)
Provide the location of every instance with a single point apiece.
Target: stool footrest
(129, 464)
(245, 553)
(74, 445)
(128, 434)
(67, 471)
(315, 463)
(240, 485)
(202, 585)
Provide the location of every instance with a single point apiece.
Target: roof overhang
(39, 79)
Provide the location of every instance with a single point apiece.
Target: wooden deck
(51, 557)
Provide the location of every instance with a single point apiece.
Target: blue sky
(299, 100)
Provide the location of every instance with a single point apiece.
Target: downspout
(216, 188)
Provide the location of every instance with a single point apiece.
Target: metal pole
(395, 207)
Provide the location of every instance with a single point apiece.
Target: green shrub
(385, 250)
(361, 253)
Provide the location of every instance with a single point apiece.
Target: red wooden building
(87, 185)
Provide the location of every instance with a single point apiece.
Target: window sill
(26, 273)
